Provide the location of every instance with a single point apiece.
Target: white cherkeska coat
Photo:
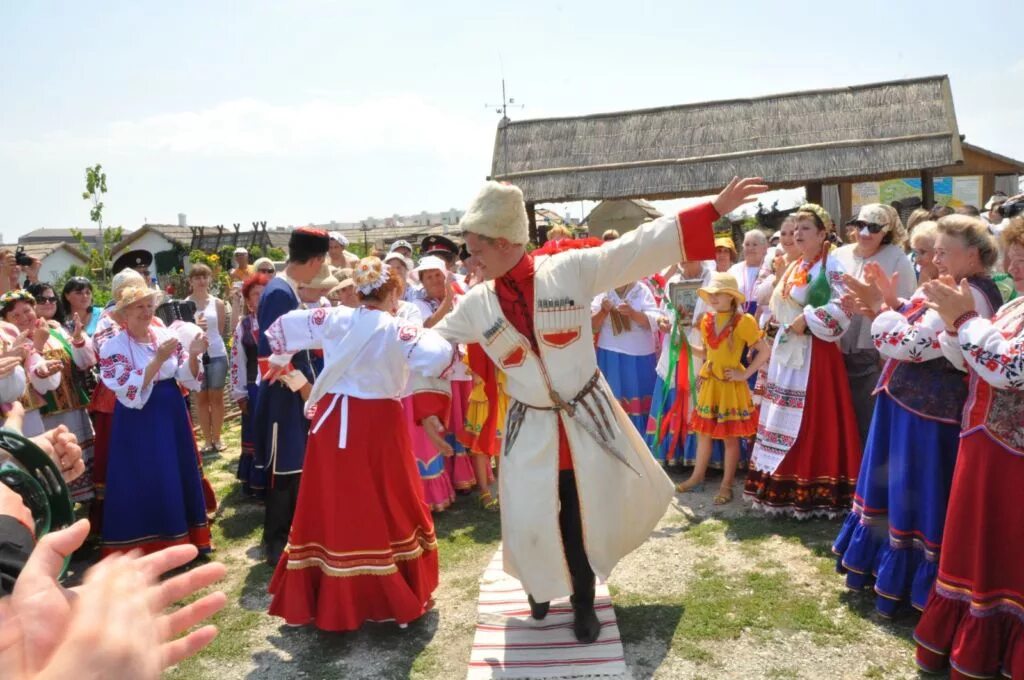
(619, 508)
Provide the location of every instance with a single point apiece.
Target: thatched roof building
(863, 132)
(620, 215)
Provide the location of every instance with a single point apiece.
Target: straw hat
(722, 282)
(124, 278)
(131, 294)
(323, 280)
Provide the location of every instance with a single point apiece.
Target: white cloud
(253, 127)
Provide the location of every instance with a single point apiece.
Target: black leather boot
(538, 610)
(586, 625)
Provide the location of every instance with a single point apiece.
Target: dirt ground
(716, 592)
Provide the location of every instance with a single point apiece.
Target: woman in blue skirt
(626, 323)
(893, 536)
(154, 495)
(243, 378)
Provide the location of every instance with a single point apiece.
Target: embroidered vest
(934, 388)
(998, 412)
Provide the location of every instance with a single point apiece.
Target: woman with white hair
(154, 495)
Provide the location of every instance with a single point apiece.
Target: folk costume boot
(586, 625)
(538, 610)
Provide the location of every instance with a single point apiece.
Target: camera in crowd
(1012, 207)
(23, 259)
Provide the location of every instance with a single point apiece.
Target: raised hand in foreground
(114, 624)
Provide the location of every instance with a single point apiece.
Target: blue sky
(306, 111)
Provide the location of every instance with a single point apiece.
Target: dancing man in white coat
(579, 488)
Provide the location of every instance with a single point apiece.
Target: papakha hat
(498, 211)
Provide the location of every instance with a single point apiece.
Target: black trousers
(280, 509)
(570, 522)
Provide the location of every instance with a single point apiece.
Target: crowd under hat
(400, 243)
(126, 277)
(429, 262)
(129, 295)
(133, 259)
(339, 237)
(344, 277)
(725, 242)
(874, 213)
(11, 297)
(401, 258)
(722, 282)
(498, 211)
(439, 244)
(264, 262)
(308, 242)
(240, 250)
(995, 199)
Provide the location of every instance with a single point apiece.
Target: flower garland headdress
(369, 275)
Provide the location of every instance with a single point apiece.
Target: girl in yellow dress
(724, 407)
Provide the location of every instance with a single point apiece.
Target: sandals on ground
(690, 485)
(488, 502)
(724, 496)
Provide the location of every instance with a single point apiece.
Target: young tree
(95, 187)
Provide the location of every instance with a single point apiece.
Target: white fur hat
(498, 212)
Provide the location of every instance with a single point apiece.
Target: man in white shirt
(755, 247)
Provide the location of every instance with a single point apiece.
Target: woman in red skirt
(807, 454)
(974, 619)
(362, 545)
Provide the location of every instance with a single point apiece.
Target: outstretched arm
(649, 248)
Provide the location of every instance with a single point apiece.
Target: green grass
(756, 597)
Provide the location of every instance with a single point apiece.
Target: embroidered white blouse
(123, 360)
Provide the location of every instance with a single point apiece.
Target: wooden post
(813, 192)
(927, 190)
(845, 203)
(531, 215)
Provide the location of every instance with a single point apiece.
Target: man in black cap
(139, 260)
(446, 249)
(281, 427)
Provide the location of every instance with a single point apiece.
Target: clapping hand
(48, 368)
(19, 347)
(664, 325)
(948, 299)
(166, 349)
(607, 305)
(202, 322)
(79, 329)
(863, 296)
(199, 345)
(40, 334)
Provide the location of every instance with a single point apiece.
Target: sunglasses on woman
(265, 271)
(872, 227)
(46, 299)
